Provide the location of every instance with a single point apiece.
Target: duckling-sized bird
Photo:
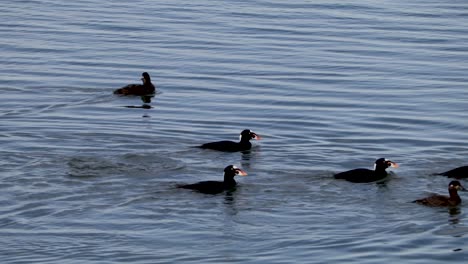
(366, 175)
(231, 146)
(138, 89)
(441, 200)
(214, 187)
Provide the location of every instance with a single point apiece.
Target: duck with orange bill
(231, 146)
(366, 175)
(214, 187)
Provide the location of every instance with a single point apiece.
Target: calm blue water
(329, 85)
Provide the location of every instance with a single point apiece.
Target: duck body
(439, 200)
(458, 173)
(228, 146)
(361, 175)
(215, 187)
(210, 187)
(442, 200)
(231, 146)
(138, 89)
(365, 175)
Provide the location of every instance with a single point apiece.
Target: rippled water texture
(89, 177)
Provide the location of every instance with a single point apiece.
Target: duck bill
(394, 165)
(257, 137)
(461, 188)
(241, 172)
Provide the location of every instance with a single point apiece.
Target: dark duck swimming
(231, 146)
(441, 200)
(138, 89)
(214, 187)
(457, 173)
(366, 175)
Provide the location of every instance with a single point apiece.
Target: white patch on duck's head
(245, 132)
(381, 161)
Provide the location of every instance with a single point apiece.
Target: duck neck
(244, 141)
(454, 195)
(380, 171)
(229, 180)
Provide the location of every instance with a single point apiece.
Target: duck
(365, 175)
(458, 173)
(138, 89)
(215, 187)
(230, 146)
(441, 200)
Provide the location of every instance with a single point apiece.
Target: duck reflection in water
(146, 102)
(454, 213)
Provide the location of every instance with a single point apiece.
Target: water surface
(88, 176)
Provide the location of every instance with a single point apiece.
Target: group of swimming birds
(356, 175)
